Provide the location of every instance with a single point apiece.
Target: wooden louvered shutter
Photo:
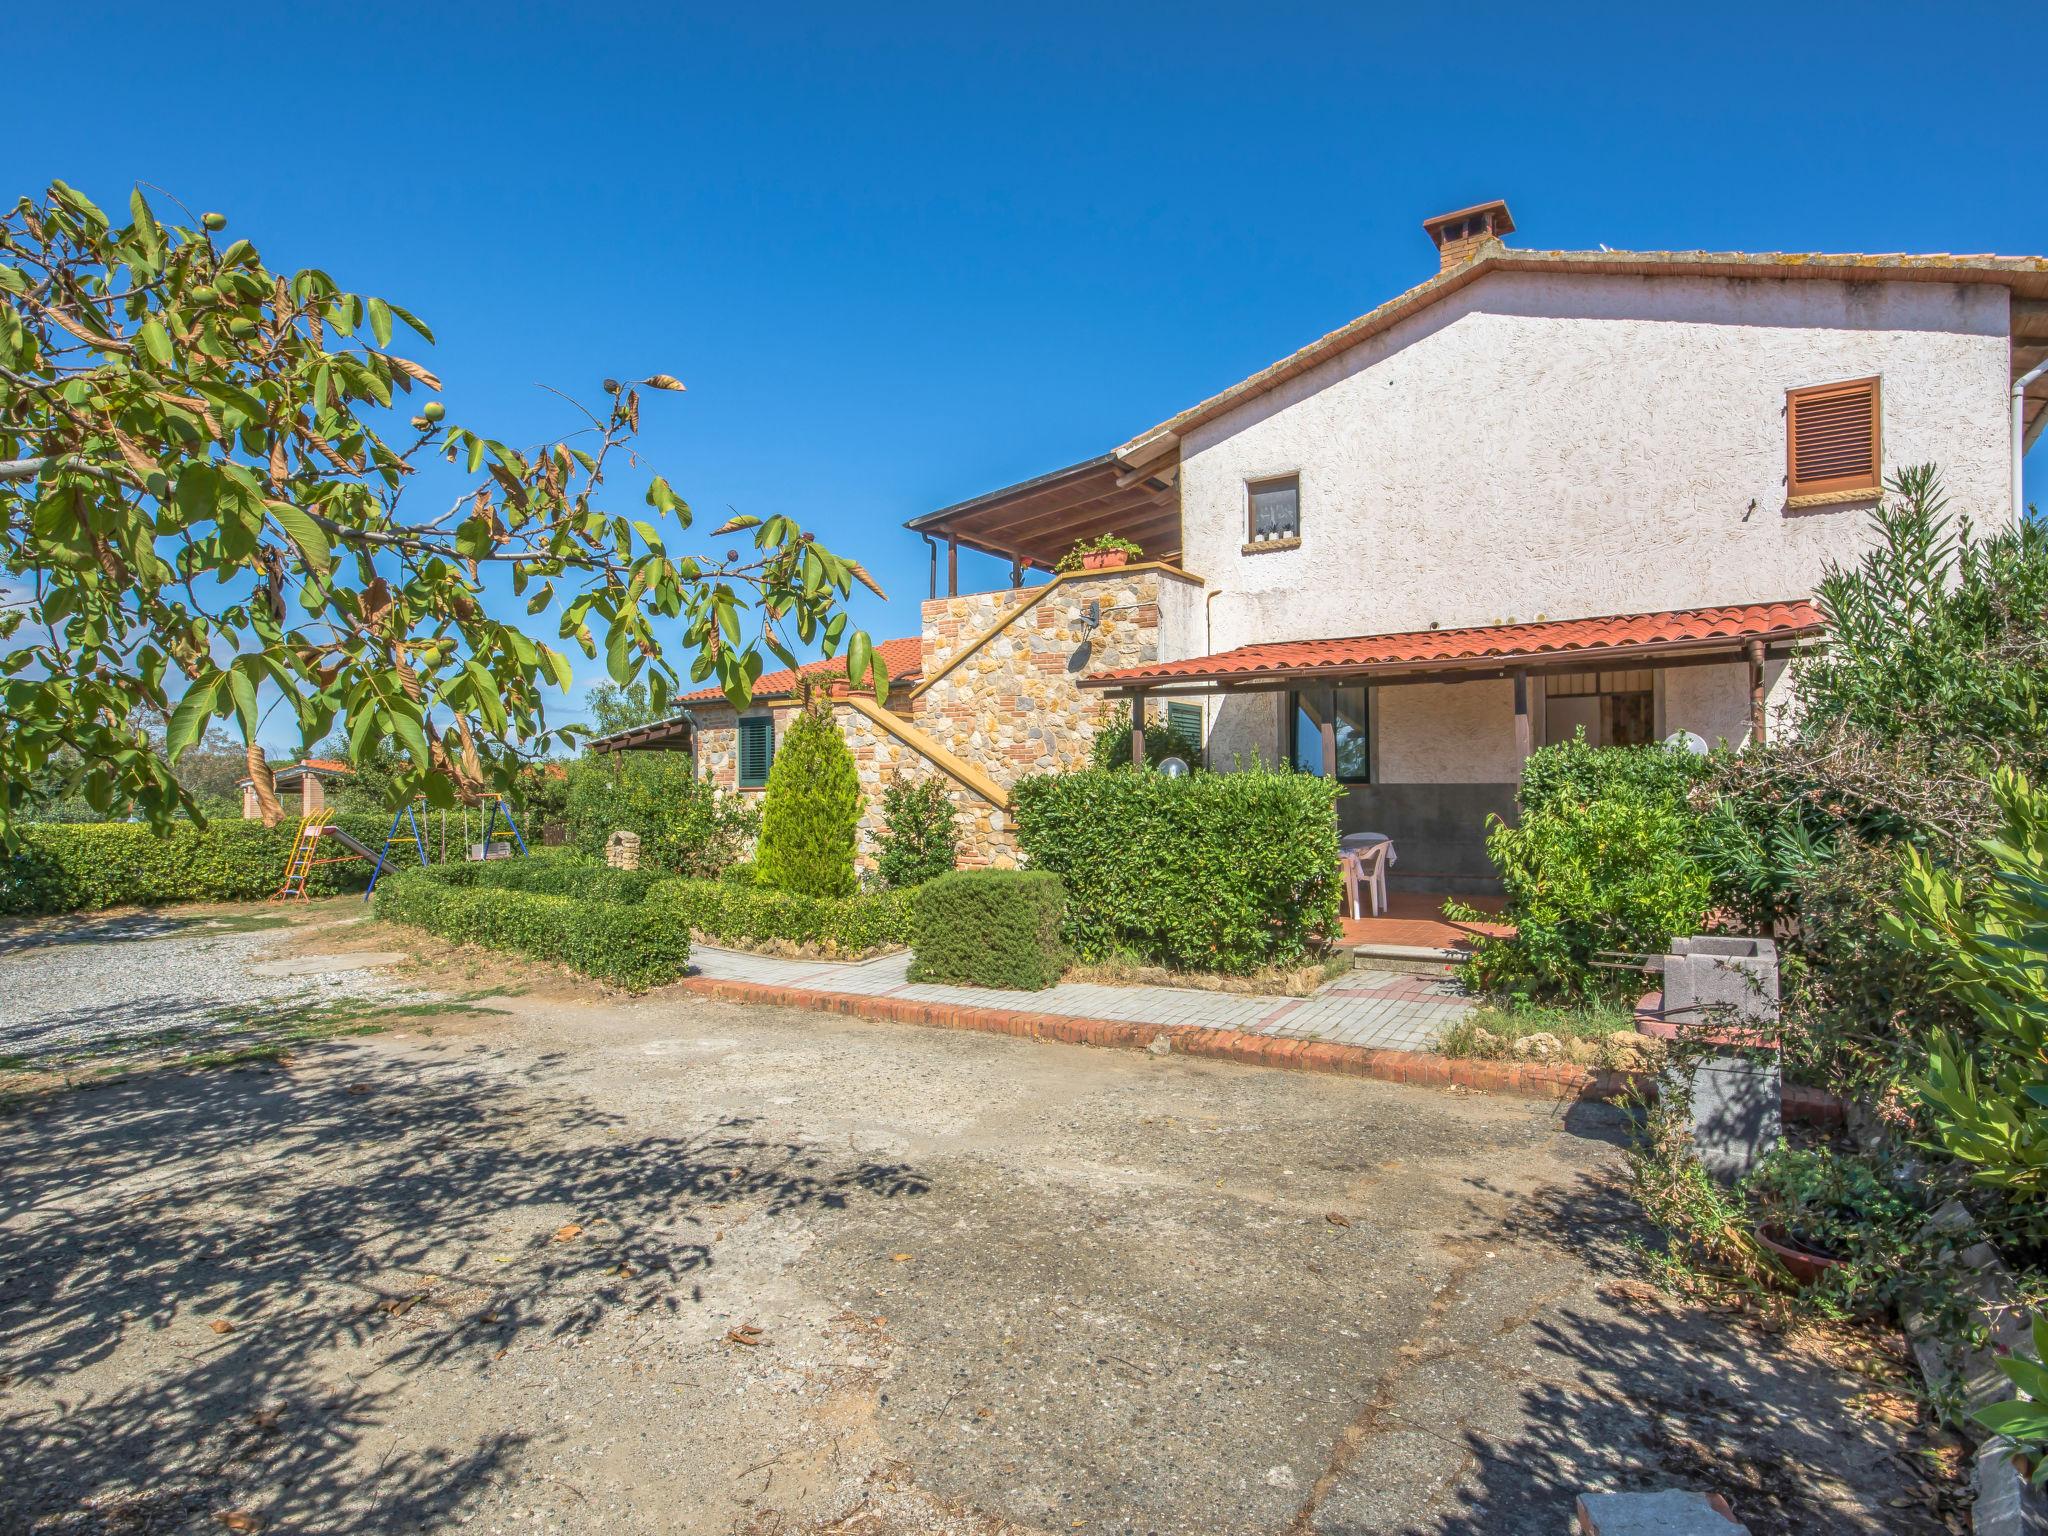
(1185, 721)
(1832, 445)
(757, 750)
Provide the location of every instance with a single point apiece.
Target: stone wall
(1014, 706)
(987, 837)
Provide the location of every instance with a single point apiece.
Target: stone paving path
(1385, 1009)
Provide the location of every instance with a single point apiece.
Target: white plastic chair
(1365, 878)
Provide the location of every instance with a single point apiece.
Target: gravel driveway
(663, 1265)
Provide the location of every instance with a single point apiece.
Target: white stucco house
(1540, 491)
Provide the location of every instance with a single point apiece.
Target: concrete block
(1718, 983)
(2005, 1505)
(1664, 1512)
(1733, 1107)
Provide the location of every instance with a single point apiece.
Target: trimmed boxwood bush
(632, 946)
(734, 912)
(82, 866)
(990, 928)
(1220, 872)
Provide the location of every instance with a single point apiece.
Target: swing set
(318, 827)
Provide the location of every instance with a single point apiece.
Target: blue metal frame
(491, 820)
(419, 843)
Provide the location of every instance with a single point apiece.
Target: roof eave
(2023, 273)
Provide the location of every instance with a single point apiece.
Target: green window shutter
(1185, 721)
(757, 750)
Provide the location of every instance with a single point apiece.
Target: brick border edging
(1418, 1068)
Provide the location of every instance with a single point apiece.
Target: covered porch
(1427, 730)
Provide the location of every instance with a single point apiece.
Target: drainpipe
(2019, 438)
(1209, 649)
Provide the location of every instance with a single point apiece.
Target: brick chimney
(1459, 235)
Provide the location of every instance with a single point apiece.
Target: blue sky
(903, 255)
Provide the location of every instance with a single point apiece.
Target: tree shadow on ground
(412, 1215)
(22, 934)
(1642, 1391)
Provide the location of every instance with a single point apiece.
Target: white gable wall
(1569, 445)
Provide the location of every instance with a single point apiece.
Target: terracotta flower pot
(1803, 1264)
(1105, 559)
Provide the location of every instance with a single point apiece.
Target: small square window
(757, 750)
(1275, 509)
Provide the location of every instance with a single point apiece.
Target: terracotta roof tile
(1450, 649)
(900, 657)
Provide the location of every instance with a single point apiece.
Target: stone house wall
(1013, 707)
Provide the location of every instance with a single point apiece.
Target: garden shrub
(812, 812)
(757, 916)
(1987, 941)
(918, 840)
(632, 946)
(80, 866)
(989, 928)
(555, 874)
(1220, 872)
(1937, 635)
(684, 828)
(1600, 859)
(1112, 746)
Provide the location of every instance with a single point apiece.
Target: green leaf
(308, 535)
(557, 666)
(412, 320)
(243, 689)
(380, 321)
(156, 341)
(860, 657)
(188, 720)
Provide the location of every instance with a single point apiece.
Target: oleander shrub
(82, 866)
(811, 815)
(919, 841)
(626, 945)
(1604, 857)
(1222, 872)
(989, 928)
(753, 916)
(684, 828)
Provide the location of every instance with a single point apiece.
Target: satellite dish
(1173, 767)
(1687, 741)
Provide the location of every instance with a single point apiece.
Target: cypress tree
(812, 812)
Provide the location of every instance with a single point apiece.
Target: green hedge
(734, 912)
(82, 866)
(556, 874)
(633, 946)
(1213, 872)
(990, 928)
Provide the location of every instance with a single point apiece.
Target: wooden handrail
(924, 746)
